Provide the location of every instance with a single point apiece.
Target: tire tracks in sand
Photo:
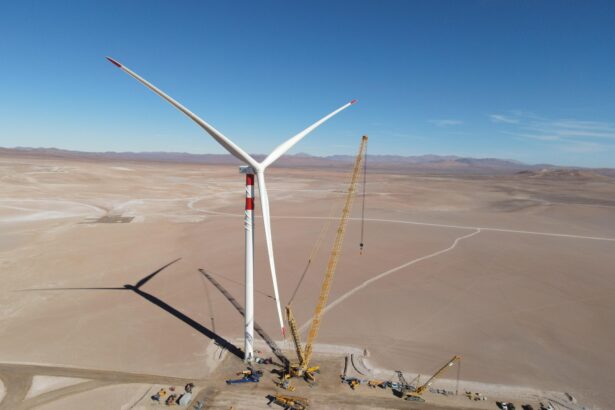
(384, 274)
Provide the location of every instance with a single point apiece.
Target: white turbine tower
(252, 167)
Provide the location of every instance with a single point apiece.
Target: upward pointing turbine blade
(284, 147)
(275, 154)
(217, 135)
(262, 190)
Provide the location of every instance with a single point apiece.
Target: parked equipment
(377, 383)
(284, 384)
(289, 402)
(402, 387)
(249, 376)
(353, 382)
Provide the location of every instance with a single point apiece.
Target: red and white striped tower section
(249, 231)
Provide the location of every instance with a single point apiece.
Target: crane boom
(335, 255)
(428, 383)
(295, 333)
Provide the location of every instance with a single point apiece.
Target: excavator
(416, 394)
(303, 368)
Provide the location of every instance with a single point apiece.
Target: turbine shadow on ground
(261, 332)
(163, 305)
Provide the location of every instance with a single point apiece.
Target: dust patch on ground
(114, 219)
(43, 384)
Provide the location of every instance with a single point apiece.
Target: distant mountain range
(420, 163)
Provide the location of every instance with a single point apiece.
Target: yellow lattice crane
(303, 368)
(416, 395)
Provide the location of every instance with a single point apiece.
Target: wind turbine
(253, 167)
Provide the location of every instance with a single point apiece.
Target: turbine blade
(262, 189)
(284, 147)
(217, 135)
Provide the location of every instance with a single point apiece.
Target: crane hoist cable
(458, 376)
(327, 224)
(315, 248)
(362, 243)
(210, 306)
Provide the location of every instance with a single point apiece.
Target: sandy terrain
(103, 398)
(44, 384)
(513, 273)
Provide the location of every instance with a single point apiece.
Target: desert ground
(513, 272)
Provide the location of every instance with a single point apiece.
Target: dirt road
(17, 379)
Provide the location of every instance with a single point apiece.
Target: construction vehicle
(353, 382)
(249, 376)
(285, 384)
(289, 402)
(302, 368)
(377, 383)
(416, 394)
(402, 387)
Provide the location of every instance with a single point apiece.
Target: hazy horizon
(349, 155)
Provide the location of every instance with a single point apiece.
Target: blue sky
(527, 80)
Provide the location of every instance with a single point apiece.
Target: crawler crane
(416, 395)
(303, 368)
